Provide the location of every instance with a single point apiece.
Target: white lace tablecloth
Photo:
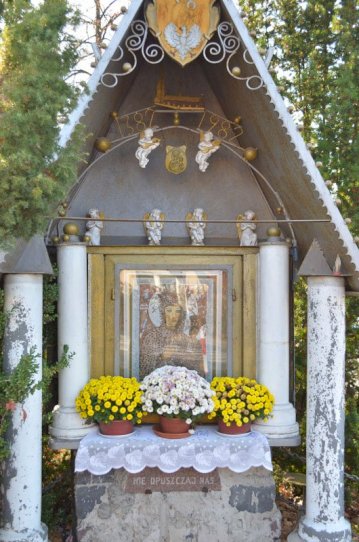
(204, 451)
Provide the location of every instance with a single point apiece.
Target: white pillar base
(281, 425)
(319, 532)
(27, 535)
(68, 424)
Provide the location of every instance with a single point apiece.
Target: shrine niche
(189, 311)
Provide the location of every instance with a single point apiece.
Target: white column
(21, 484)
(273, 362)
(72, 331)
(324, 518)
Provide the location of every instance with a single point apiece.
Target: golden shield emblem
(176, 159)
(183, 27)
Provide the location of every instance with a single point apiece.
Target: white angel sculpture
(94, 227)
(183, 40)
(153, 224)
(147, 144)
(246, 230)
(207, 146)
(196, 226)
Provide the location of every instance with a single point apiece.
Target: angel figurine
(153, 224)
(147, 144)
(94, 227)
(207, 146)
(196, 226)
(246, 230)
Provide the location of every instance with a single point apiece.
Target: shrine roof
(283, 156)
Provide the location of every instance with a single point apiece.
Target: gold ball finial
(237, 119)
(86, 238)
(250, 153)
(176, 119)
(236, 71)
(56, 239)
(103, 144)
(71, 228)
(126, 67)
(61, 212)
(273, 231)
(66, 238)
(114, 115)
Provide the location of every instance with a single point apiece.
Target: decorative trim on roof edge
(95, 79)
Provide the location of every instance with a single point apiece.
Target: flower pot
(233, 429)
(173, 425)
(116, 427)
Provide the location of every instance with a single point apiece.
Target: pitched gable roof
(283, 155)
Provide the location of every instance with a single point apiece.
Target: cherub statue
(196, 226)
(246, 230)
(94, 227)
(153, 225)
(147, 144)
(207, 146)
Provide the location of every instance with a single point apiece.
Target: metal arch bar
(263, 221)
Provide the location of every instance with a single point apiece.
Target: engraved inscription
(153, 479)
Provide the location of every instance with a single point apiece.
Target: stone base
(27, 535)
(244, 510)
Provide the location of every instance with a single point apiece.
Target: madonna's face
(173, 315)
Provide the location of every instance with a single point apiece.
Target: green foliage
(36, 55)
(14, 388)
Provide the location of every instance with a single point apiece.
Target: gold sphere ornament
(103, 144)
(176, 119)
(66, 238)
(319, 164)
(237, 120)
(329, 183)
(126, 67)
(113, 27)
(86, 238)
(123, 9)
(65, 204)
(71, 229)
(61, 212)
(348, 220)
(338, 201)
(236, 71)
(114, 115)
(93, 64)
(273, 231)
(103, 45)
(56, 239)
(250, 153)
(279, 210)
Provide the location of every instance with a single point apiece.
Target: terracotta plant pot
(116, 427)
(233, 429)
(173, 425)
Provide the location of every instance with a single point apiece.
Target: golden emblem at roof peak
(183, 27)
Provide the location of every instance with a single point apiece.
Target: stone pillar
(72, 331)
(273, 363)
(324, 518)
(21, 484)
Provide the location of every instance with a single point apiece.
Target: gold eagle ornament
(183, 27)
